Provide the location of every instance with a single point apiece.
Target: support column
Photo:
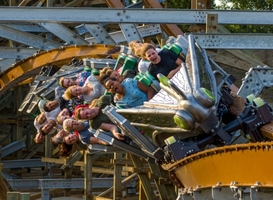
(48, 153)
(20, 122)
(211, 23)
(49, 3)
(117, 177)
(143, 178)
(88, 176)
(67, 175)
(199, 4)
(45, 194)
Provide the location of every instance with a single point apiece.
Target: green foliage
(249, 28)
(182, 4)
(246, 4)
(258, 5)
(4, 3)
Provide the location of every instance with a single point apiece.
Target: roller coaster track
(239, 165)
(31, 66)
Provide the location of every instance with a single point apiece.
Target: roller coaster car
(195, 110)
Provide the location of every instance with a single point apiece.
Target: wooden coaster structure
(21, 73)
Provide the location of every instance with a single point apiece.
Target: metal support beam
(72, 159)
(99, 33)
(6, 63)
(255, 80)
(64, 33)
(5, 100)
(234, 41)
(122, 145)
(58, 183)
(99, 63)
(23, 183)
(28, 39)
(130, 32)
(13, 147)
(23, 163)
(141, 140)
(102, 148)
(118, 36)
(16, 53)
(147, 16)
(33, 28)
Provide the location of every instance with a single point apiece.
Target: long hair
(68, 92)
(65, 150)
(105, 78)
(106, 71)
(144, 48)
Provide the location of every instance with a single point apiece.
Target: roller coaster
(215, 141)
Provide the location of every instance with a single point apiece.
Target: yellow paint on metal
(242, 165)
(30, 67)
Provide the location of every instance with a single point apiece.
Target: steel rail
(148, 16)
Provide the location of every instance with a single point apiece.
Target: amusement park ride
(214, 140)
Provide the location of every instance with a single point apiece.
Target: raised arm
(148, 90)
(173, 72)
(178, 61)
(113, 129)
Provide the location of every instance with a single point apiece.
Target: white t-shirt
(53, 114)
(37, 125)
(98, 89)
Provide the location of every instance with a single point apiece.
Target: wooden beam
(123, 162)
(253, 62)
(74, 3)
(117, 194)
(4, 186)
(227, 60)
(39, 147)
(144, 179)
(211, 23)
(88, 176)
(136, 170)
(125, 182)
(24, 3)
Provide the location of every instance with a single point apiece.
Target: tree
(4, 3)
(247, 5)
(182, 4)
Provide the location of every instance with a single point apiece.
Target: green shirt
(102, 102)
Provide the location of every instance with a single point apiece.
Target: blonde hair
(68, 92)
(132, 45)
(65, 125)
(61, 81)
(144, 48)
(65, 150)
(58, 119)
(106, 71)
(78, 113)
